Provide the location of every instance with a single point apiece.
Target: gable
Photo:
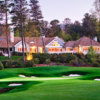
(57, 42)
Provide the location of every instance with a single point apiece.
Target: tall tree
(1, 10)
(36, 16)
(89, 25)
(1, 16)
(75, 30)
(4, 11)
(19, 16)
(55, 28)
(97, 14)
(35, 11)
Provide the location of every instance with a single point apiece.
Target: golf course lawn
(51, 83)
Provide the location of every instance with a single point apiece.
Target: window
(18, 49)
(76, 49)
(55, 43)
(85, 48)
(61, 49)
(26, 49)
(53, 50)
(30, 49)
(70, 49)
(50, 49)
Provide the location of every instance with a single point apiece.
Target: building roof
(69, 44)
(29, 40)
(3, 42)
(85, 41)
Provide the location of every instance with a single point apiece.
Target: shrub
(96, 64)
(47, 61)
(74, 62)
(17, 64)
(70, 57)
(29, 64)
(81, 62)
(36, 60)
(8, 64)
(91, 55)
(1, 65)
(62, 58)
(42, 57)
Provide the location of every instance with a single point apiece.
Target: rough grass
(50, 85)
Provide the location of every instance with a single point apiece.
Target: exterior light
(29, 57)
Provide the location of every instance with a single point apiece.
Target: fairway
(48, 83)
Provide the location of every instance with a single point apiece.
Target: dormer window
(55, 43)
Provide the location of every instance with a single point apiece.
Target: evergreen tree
(4, 15)
(96, 13)
(19, 16)
(89, 26)
(35, 11)
(36, 16)
(91, 55)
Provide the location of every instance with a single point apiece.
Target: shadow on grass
(6, 89)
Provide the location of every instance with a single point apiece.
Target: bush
(1, 65)
(91, 55)
(62, 58)
(36, 60)
(74, 62)
(96, 64)
(70, 57)
(17, 64)
(41, 57)
(47, 61)
(29, 64)
(8, 64)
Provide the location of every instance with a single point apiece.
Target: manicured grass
(51, 85)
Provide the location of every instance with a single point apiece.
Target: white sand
(33, 76)
(15, 84)
(22, 76)
(97, 79)
(74, 75)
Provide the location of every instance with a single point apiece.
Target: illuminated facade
(51, 45)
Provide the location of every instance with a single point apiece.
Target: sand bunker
(22, 76)
(97, 79)
(15, 84)
(72, 75)
(33, 76)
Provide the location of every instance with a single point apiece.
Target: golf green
(51, 83)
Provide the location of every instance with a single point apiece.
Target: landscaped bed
(48, 83)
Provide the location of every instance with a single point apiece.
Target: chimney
(43, 36)
(11, 35)
(95, 38)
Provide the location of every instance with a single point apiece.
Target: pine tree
(4, 14)
(36, 16)
(19, 16)
(35, 11)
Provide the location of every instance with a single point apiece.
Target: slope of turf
(50, 85)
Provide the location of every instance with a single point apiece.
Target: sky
(61, 9)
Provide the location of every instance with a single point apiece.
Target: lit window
(55, 44)
(50, 50)
(20, 49)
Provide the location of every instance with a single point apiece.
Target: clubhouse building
(53, 45)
